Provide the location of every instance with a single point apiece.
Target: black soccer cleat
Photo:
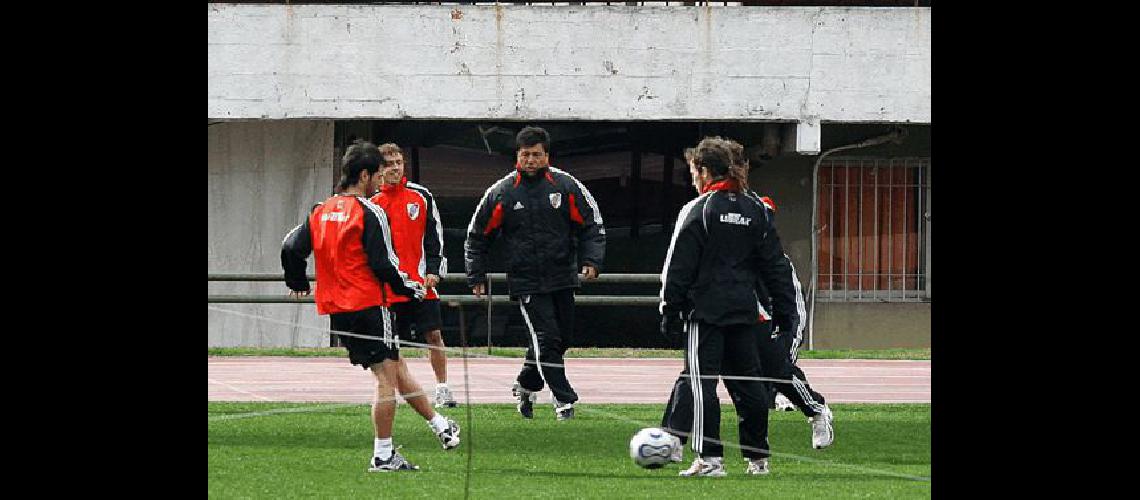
(396, 462)
(526, 400)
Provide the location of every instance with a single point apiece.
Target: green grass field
(275, 450)
(576, 352)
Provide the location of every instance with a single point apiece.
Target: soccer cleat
(449, 437)
(564, 412)
(678, 454)
(757, 466)
(443, 397)
(526, 400)
(783, 403)
(396, 462)
(713, 467)
(822, 434)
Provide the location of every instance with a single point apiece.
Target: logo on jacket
(555, 200)
(334, 216)
(733, 218)
(518, 205)
(413, 210)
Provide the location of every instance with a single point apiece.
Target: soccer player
(417, 237)
(553, 229)
(351, 241)
(780, 348)
(722, 244)
(778, 341)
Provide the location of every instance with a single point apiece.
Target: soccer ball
(651, 447)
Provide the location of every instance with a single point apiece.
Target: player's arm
(433, 238)
(377, 240)
(486, 224)
(682, 262)
(585, 213)
(295, 250)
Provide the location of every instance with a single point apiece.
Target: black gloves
(673, 326)
(784, 326)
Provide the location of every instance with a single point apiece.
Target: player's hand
(294, 294)
(418, 290)
(589, 272)
(431, 280)
(479, 290)
(672, 326)
(781, 326)
(412, 290)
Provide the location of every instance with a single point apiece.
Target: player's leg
(384, 405)
(445, 429)
(678, 417)
(814, 401)
(775, 362)
(372, 349)
(564, 395)
(704, 353)
(780, 356)
(751, 397)
(429, 319)
(530, 379)
(539, 314)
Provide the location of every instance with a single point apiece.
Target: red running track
(597, 380)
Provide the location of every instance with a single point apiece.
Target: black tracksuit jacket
(552, 227)
(723, 245)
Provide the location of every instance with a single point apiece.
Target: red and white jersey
(417, 232)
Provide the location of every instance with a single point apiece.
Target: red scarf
(722, 185)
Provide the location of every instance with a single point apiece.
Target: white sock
(438, 423)
(440, 384)
(382, 448)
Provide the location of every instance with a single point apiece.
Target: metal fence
(875, 230)
(456, 301)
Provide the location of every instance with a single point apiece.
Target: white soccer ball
(651, 448)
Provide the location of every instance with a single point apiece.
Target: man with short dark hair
(351, 241)
(417, 236)
(553, 229)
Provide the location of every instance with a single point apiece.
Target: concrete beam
(517, 62)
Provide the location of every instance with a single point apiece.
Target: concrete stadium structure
(624, 88)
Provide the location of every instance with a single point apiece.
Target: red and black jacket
(552, 227)
(417, 233)
(351, 241)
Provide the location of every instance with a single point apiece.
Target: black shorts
(374, 322)
(424, 314)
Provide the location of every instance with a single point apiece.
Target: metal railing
(456, 301)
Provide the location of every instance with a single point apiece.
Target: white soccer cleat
(564, 412)
(822, 433)
(443, 397)
(783, 403)
(449, 437)
(757, 466)
(712, 467)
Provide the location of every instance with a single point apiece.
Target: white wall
(264, 176)
(851, 64)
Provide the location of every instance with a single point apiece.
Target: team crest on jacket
(413, 210)
(555, 200)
